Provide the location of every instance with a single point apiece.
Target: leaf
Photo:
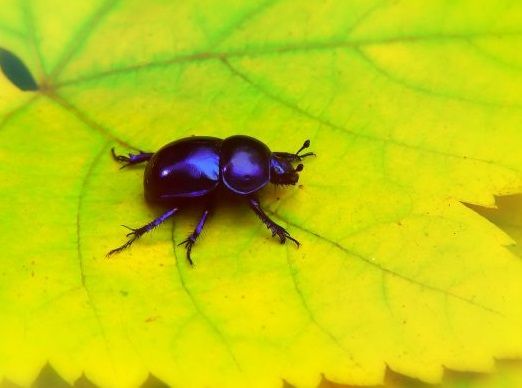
(507, 374)
(15, 70)
(411, 109)
(507, 214)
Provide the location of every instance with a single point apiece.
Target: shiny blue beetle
(199, 167)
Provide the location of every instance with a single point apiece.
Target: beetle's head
(282, 172)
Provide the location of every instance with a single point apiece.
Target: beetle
(197, 167)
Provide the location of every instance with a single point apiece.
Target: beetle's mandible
(195, 167)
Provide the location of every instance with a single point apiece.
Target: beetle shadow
(228, 212)
(221, 202)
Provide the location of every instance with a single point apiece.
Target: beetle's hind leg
(191, 239)
(132, 158)
(136, 233)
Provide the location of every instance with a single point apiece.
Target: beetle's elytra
(194, 167)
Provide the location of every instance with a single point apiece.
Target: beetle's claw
(128, 160)
(134, 234)
(189, 243)
(114, 154)
(188, 256)
(297, 243)
(121, 248)
(283, 234)
(119, 158)
(134, 231)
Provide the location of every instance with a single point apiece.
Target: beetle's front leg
(274, 227)
(132, 158)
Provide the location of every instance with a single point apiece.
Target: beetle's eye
(299, 168)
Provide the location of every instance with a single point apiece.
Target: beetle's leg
(191, 239)
(274, 228)
(138, 232)
(132, 158)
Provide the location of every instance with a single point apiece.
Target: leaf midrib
(288, 48)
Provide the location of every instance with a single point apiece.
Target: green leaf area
(413, 109)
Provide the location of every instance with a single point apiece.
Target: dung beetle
(196, 167)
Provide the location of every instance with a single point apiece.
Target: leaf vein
(389, 271)
(14, 112)
(91, 123)
(308, 310)
(423, 90)
(493, 58)
(387, 141)
(83, 282)
(289, 48)
(33, 36)
(247, 17)
(82, 35)
(198, 308)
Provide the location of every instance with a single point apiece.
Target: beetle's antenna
(305, 145)
(295, 157)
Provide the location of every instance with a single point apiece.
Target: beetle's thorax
(244, 164)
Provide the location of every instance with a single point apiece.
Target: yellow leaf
(411, 108)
